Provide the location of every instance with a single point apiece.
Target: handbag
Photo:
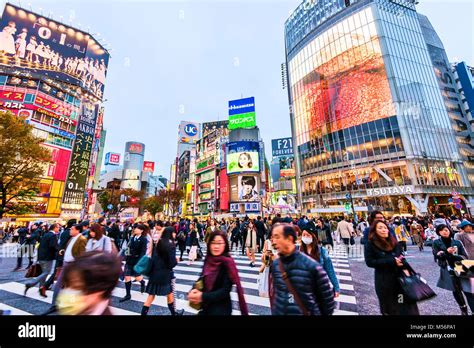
(292, 290)
(198, 285)
(34, 271)
(352, 240)
(414, 287)
(199, 254)
(143, 265)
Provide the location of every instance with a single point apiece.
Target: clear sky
(183, 60)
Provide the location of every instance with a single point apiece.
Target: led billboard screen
(345, 85)
(31, 41)
(242, 113)
(243, 156)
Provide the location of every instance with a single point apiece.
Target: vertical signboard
(224, 190)
(81, 155)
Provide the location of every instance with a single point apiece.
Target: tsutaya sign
(391, 191)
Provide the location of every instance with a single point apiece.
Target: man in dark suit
(260, 233)
(64, 238)
(46, 254)
(75, 247)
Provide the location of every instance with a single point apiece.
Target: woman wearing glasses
(218, 275)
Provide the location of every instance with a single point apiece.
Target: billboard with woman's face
(243, 157)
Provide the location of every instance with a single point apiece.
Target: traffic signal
(133, 200)
(435, 200)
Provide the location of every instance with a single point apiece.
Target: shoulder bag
(143, 265)
(414, 287)
(198, 285)
(34, 271)
(292, 290)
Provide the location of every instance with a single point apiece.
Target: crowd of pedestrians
(296, 273)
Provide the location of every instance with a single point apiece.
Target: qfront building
(369, 122)
(53, 76)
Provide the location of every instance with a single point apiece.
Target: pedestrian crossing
(186, 274)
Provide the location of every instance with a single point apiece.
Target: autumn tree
(22, 163)
(154, 205)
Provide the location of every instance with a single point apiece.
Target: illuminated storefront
(367, 112)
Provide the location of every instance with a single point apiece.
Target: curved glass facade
(366, 107)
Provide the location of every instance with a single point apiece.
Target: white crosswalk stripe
(185, 275)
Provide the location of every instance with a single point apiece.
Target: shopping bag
(262, 282)
(143, 265)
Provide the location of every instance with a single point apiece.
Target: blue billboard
(282, 147)
(241, 106)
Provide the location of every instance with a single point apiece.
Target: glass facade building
(366, 109)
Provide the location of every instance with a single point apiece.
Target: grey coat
(467, 284)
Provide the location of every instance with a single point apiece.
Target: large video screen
(30, 41)
(345, 84)
(242, 157)
(244, 188)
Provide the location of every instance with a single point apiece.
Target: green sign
(247, 120)
(208, 162)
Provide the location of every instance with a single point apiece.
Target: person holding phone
(447, 251)
(384, 254)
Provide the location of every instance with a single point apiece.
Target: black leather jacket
(308, 279)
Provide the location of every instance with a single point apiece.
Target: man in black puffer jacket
(308, 279)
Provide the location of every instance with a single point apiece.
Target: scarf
(447, 242)
(211, 270)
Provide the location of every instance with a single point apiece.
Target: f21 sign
(282, 147)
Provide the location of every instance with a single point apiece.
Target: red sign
(135, 148)
(224, 190)
(148, 166)
(52, 104)
(10, 95)
(60, 157)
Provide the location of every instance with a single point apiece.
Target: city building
(369, 121)
(58, 88)
(209, 189)
(464, 77)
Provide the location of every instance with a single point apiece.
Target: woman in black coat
(136, 249)
(447, 251)
(218, 275)
(383, 253)
(235, 235)
(161, 278)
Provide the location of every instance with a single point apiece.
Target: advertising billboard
(148, 167)
(243, 156)
(348, 84)
(189, 132)
(33, 42)
(224, 190)
(242, 113)
(287, 168)
(209, 127)
(81, 154)
(135, 148)
(282, 147)
(242, 121)
(244, 188)
(112, 159)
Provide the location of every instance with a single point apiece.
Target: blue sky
(183, 60)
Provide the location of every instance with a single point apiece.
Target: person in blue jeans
(311, 246)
